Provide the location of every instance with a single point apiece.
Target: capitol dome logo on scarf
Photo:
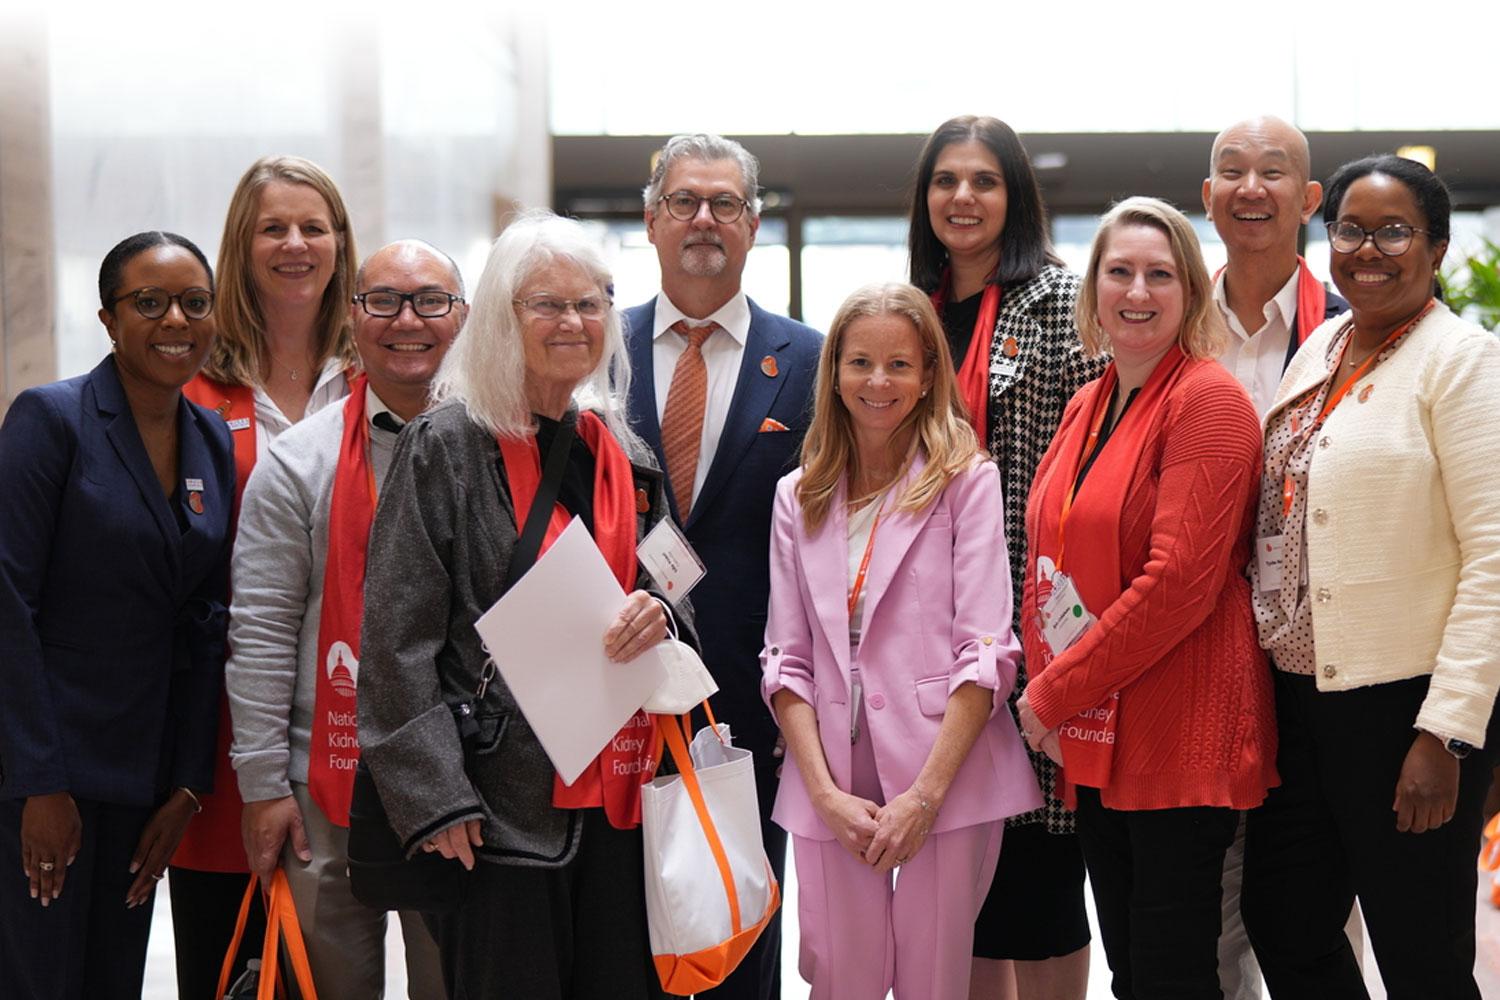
(343, 668)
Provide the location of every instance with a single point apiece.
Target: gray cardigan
(439, 549)
(280, 559)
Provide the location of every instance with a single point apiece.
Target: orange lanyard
(864, 566)
(1289, 488)
(1090, 445)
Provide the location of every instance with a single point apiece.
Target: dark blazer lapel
(119, 426)
(826, 564)
(894, 537)
(755, 393)
(195, 461)
(642, 402)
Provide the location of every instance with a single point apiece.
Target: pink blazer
(937, 614)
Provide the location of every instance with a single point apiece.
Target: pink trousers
(863, 936)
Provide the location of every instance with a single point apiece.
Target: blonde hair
(941, 424)
(485, 369)
(1203, 333)
(236, 355)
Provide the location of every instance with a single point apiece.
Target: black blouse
(958, 323)
(576, 493)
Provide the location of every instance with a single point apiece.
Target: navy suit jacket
(730, 523)
(111, 614)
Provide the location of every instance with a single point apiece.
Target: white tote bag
(709, 888)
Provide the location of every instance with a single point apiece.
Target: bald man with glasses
(297, 609)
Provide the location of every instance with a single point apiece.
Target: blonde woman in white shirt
(287, 261)
(1377, 593)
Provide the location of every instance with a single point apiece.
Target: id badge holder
(856, 699)
(670, 560)
(1268, 555)
(1065, 618)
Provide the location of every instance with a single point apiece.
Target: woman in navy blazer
(115, 497)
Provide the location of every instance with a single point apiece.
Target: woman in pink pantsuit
(888, 660)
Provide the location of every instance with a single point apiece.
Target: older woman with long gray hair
(555, 904)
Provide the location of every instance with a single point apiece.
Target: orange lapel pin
(768, 366)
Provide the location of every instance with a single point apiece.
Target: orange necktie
(682, 421)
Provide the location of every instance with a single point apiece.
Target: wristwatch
(1458, 748)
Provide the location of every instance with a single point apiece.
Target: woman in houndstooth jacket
(980, 246)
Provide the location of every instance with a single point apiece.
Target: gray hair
(485, 369)
(708, 148)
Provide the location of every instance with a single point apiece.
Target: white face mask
(688, 682)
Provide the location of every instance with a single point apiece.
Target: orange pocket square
(770, 424)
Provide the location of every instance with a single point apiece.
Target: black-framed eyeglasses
(428, 305)
(153, 303)
(1392, 240)
(683, 206)
(552, 306)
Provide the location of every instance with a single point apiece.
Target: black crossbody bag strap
(540, 514)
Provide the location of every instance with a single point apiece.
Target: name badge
(1065, 618)
(670, 560)
(239, 424)
(1005, 367)
(1268, 552)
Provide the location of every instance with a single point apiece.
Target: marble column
(28, 354)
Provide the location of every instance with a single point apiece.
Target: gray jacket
(439, 550)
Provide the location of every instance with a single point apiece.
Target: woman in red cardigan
(1155, 697)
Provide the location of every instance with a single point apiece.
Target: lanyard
(1288, 487)
(864, 566)
(1090, 445)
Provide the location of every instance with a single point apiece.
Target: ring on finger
(156, 876)
(46, 866)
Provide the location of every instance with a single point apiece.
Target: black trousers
(1157, 876)
(572, 933)
(1328, 834)
(204, 908)
(85, 945)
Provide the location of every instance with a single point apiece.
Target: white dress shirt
(722, 353)
(330, 387)
(1256, 359)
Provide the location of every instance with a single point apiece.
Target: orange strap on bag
(1489, 854)
(686, 970)
(281, 925)
(677, 746)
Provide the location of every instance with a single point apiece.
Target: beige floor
(160, 984)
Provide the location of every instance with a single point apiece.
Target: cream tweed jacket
(1403, 523)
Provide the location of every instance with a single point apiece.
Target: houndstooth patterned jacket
(1027, 396)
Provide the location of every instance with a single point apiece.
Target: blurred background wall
(438, 119)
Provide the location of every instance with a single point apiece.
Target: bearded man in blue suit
(722, 392)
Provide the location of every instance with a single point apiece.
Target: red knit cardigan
(1196, 724)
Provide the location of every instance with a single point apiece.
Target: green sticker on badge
(1078, 611)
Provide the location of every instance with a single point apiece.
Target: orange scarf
(614, 778)
(334, 749)
(1090, 535)
(1312, 301)
(974, 372)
